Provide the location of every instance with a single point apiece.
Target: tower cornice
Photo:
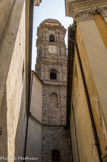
(50, 27)
(59, 62)
(41, 42)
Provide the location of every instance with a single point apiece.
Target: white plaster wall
(33, 149)
(36, 98)
(14, 86)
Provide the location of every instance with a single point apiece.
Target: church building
(51, 69)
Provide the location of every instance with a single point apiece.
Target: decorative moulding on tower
(52, 23)
(45, 26)
(37, 2)
(82, 10)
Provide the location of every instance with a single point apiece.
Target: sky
(54, 9)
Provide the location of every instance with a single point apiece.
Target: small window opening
(51, 38)
(55, 155)
(53, 74)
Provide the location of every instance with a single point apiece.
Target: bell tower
(51, 67)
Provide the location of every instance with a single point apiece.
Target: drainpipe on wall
(70, 63)
(29, 32)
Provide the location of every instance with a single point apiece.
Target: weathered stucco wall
(83, 140)
(97, 59)
(12, 82)
(21, 128)
(33, 149)
(94, 64)
(5, 9)
(91, 40)
(14, 88)
(88, 114)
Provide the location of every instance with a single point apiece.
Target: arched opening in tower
(55, 155)
(51, 38)
(53, 74)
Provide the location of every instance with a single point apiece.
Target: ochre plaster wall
(102, 27)
(83, 143)
(91, 39)
(105, 19)
(93, 55)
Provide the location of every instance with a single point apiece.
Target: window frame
(55, 155)
(51, 36)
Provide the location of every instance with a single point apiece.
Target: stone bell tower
(51, 67)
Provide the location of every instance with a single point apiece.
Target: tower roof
(51, 22)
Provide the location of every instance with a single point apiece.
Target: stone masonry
(51, 67)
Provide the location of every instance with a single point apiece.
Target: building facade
(15, 61)
(88, 106)
(51, 67)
